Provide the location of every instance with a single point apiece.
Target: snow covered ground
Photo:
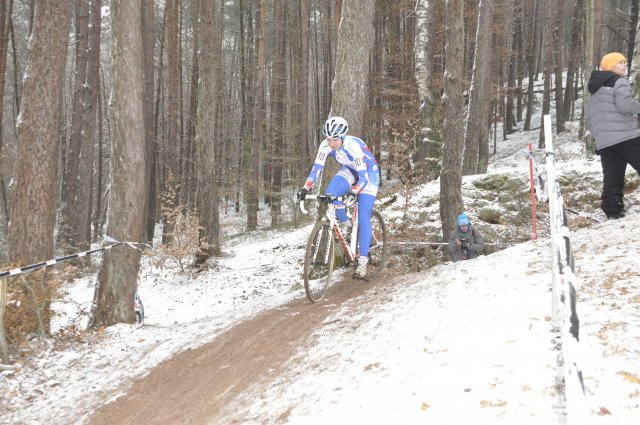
(459, 343)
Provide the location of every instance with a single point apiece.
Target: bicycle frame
(330, 216)
(319, 260)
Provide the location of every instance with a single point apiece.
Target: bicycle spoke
(318, 265)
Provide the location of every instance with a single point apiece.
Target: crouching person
(465, 242)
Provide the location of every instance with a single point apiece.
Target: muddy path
(195, 385)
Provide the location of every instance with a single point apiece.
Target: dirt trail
(194, 386)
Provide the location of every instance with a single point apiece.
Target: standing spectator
(465, 242)
(613, 123)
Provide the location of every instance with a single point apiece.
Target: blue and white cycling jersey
(355, 156)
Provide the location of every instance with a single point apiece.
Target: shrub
(490, 215)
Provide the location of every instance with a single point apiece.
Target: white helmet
(335, 127)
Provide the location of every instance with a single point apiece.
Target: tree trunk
(477, 111)
(632, 46)
(70, 212)
(531, 61)
(485, 111)
(355, 39)
(304, 84)
(548, 55)
(253, 176)
(558, 62)
(575, 50)
(173, 100)
(634, 72)
(83, 202)
(277, 117)
(6, 11)
(430, 143)
(38, 132)
(451, 176)
(114, 296)
(589, 62)
(148, 44)
(208, 208)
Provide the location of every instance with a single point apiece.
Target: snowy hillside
(456, 343)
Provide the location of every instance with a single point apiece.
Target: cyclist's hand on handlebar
(301, 194)
(350, 199)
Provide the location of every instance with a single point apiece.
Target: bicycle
(319, 258)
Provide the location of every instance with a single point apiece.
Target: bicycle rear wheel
(318, 261)
(378, 248)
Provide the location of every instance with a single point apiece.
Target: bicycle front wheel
(318, 261)
(378, 248)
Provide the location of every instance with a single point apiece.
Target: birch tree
(478, 109)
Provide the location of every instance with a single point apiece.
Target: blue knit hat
(463, 220)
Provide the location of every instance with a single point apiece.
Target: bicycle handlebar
(322, 198)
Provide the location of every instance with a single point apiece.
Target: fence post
(533, 194)
(556, 321)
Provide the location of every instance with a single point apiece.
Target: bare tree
(589, 62)
(451, 176)
(113, 300)
(355, 39)
(634, 72)
(38, 131)
(208, 209)
(576, 45)
(252, 176)
(277, 117)
(532, 7)
(478, 110)
(558, 62)
(548, 65)
(148, 43)
(6, 10)
(430, 145)
(71, 182)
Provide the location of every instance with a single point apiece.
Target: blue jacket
(613, 111)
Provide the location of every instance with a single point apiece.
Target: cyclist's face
(334, 143)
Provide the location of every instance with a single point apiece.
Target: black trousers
(614, 160)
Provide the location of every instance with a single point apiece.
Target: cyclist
(359, 177)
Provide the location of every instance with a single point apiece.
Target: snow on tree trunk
(478, 109)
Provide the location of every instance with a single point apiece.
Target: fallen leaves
(498, 403)
(629, 377)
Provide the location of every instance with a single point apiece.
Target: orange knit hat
(610, 60)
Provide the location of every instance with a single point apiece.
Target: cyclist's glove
(301, 194)
(350, 199)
